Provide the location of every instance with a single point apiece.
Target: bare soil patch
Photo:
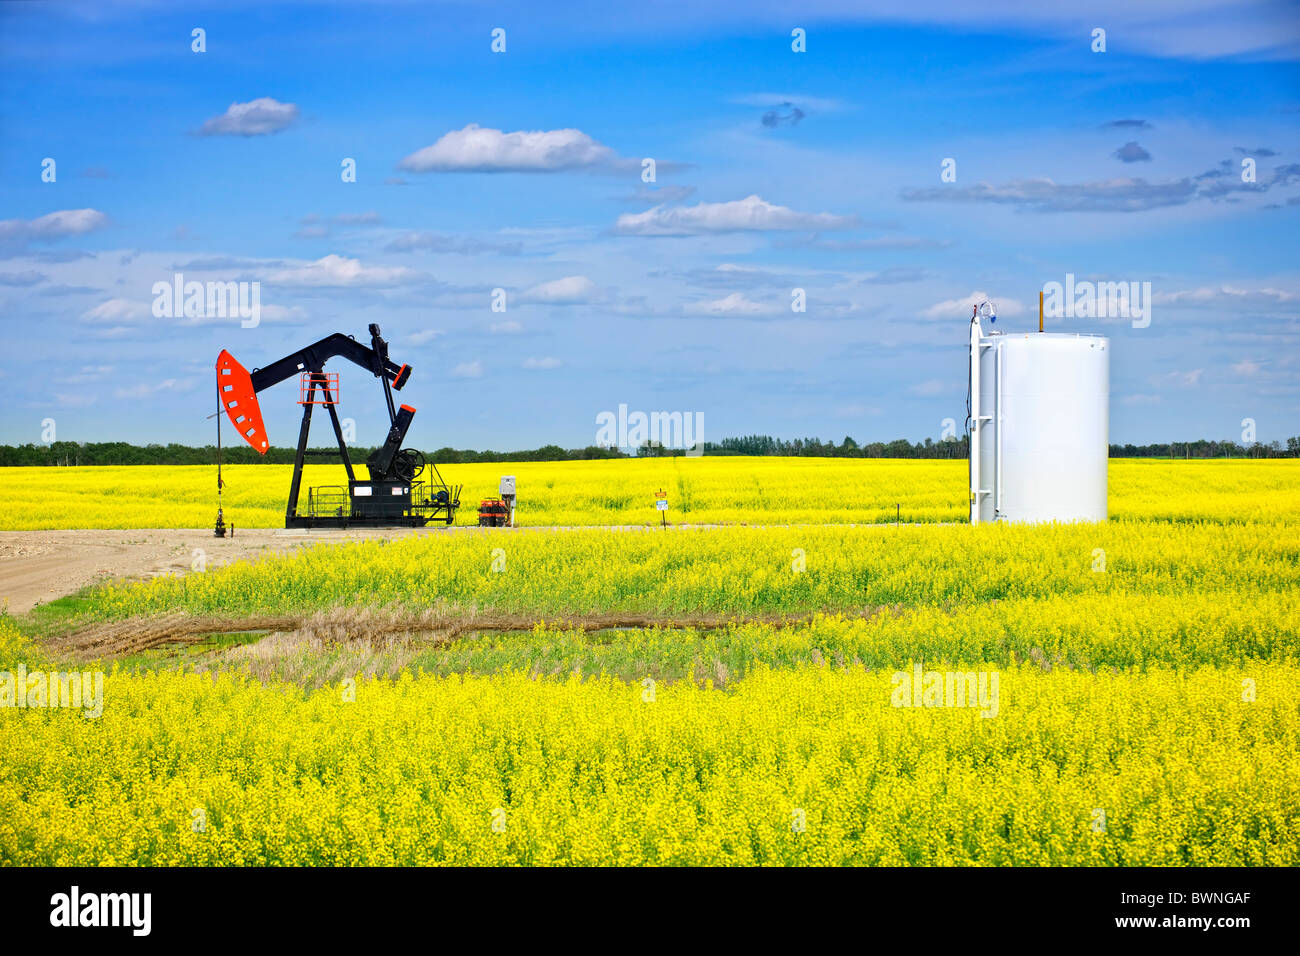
(39, 566)
(368, 626)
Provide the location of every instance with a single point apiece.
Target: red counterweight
(239, 399)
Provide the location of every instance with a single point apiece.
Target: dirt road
(39, 566)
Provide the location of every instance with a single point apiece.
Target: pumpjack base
(411, 521)
(377, 504)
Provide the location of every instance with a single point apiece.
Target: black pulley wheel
(408, 464)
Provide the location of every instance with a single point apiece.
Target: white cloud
(1247, 368)
(1219, 295)
(281, 313)
(333, 270)
(1045, 195)
(654, 195)
(424, 241)
(478, 149)
(75, 399)
(115, 332)
(266, 313)
(750, 214)
(881, 242)
(931, 388)
(571, 290)
(1188, 379)
(87, 375)
(118, 310)
(735, 304)
(314, 227)
(546, 362)
(961, 308)
(368, 218)
(255, 118)
(54, 225)
(424, 337)
(472, 369)
(149, 389)
(1197, 29)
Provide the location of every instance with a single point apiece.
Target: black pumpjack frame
(392, 495)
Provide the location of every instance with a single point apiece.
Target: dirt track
(39, 566)
(346, 625)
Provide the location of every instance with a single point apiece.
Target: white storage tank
(1040, 422)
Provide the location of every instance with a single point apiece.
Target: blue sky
(522, 171)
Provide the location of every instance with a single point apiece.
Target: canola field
(804, 766)
(1133, 693)
(706, 490)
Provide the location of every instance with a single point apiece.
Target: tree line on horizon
(124, 453)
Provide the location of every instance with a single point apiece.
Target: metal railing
(428, 501)
(329, 501)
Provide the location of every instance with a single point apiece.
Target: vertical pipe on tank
(997, 433)
(974, 450)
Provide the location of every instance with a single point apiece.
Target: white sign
(661, 504)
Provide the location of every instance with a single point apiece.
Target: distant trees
(1205, 448)
(121, 453)
(445, 456)
(815, 447)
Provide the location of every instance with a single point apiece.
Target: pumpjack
(394, 494)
